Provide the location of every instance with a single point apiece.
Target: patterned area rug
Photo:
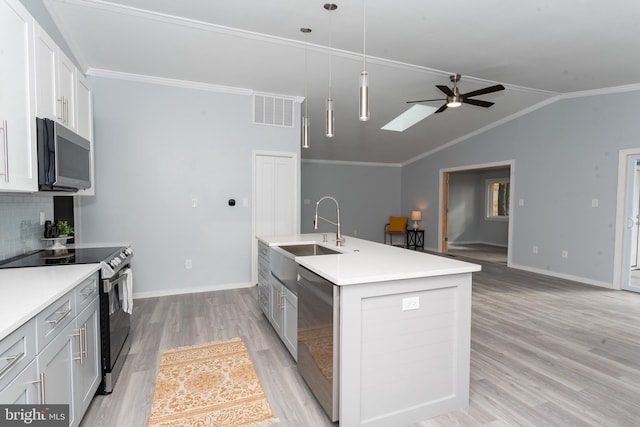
(209, 385)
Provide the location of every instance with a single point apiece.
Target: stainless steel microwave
(64, 158)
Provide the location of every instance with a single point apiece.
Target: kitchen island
(404, 329)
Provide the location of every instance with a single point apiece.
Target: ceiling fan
(455, 98)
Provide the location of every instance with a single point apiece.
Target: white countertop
(362, 261)
(24, 292)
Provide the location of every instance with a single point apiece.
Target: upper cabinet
(18, 162)
(62, 92)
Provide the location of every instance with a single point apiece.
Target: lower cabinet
(66, 368)
(284, 315)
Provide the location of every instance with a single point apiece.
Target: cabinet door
(290, 323)
(67, 75)
(45, 56)
(24, 389)
(277, 304)
(18, 168)
(84, 108)
(87, 365)
(55, 364)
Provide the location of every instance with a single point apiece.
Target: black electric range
(115, 319)
(111, 255)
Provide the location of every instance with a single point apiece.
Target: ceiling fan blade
(441, 109)
(446, 90)
(478, 102)
(484, 91)
(426, 100)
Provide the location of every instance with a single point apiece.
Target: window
(497, 199)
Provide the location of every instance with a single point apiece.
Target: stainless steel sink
(308, 250)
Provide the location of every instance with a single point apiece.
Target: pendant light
(306, 135)
(330, 119)
(364, 77)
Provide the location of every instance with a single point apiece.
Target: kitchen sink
(308, 250)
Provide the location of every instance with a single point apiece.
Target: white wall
(157, 148)
(565, 155)
(367, 194)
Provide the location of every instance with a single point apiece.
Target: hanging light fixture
(330, 121)
(364, 77)
(306, 136)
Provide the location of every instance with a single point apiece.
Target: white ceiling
(538, 49)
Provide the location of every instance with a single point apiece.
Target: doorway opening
(476, 214)
(627, 253)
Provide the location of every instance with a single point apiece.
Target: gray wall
(157, 148)
(367, 194)
(565, 154)
(467, 207)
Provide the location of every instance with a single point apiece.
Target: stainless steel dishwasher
(318, 338)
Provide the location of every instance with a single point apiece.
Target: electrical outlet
(411, 303)
(188, 264)
(535, 249)
(521, 202)
(41, 218)
(565, 254)
(194, 202)
(595, 203)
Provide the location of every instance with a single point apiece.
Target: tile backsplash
(20, 229)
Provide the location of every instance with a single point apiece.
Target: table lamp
(415, 217)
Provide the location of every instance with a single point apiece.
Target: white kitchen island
(404, 329)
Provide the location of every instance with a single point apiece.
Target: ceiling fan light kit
(455, 99)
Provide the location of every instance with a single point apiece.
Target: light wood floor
(544, 351)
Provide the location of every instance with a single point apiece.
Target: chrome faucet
(339, 239)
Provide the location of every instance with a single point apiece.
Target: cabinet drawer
(53, 319)
(263, 250)
(17, 351)
(263, 272)
(86, 292)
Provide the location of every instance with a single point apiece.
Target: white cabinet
(87, 360)
(18, 162)
(290, 322)
(264, 275)
(55, 80)
(55, 364)
(284, 315)
(54, 358)
(84, 110)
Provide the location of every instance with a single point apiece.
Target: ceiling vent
(273, 110)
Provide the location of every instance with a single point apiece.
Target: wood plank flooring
(544, 351)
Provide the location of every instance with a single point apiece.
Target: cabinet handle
(5, 139)
(282, 301)
(66, 111)
(85, 346)
(63, 314)
(82, 337)
(12, 361)
(41, 382)
(61, 109)
(88, 291)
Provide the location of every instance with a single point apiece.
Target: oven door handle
(109, 284)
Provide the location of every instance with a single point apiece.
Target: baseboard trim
(480, 242)
(182, 291)
(571, 277)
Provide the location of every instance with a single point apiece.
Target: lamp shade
(416, 216)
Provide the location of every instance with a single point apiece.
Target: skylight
(409, 118)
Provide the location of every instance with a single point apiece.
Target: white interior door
(636, 219)
(275, 198)
(630, 277)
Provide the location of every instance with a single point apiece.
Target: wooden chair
(397, 225)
